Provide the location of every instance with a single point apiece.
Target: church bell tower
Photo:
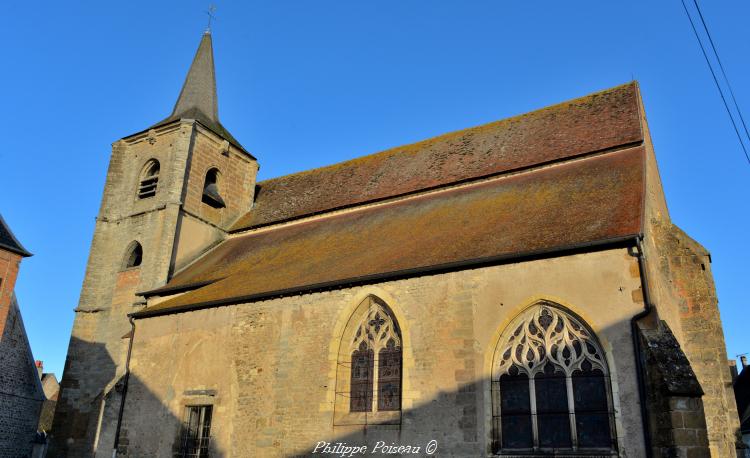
(172, 191)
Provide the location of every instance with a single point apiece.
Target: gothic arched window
(133, 256)
(149, 179)
(372, 352)
(550, 386)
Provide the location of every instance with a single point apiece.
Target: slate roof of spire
(9, 242)
(198, 99)
(565, 177)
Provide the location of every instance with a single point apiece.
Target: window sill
(385, 418)
(565, 453)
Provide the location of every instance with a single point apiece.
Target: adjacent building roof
(593, 123)
(9, 242)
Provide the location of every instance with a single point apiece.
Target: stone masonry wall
(682, 290)
(84, 419)
(236, 179)
(269, 368)
(688, 267)
(675, 408)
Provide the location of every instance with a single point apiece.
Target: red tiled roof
(565, 205)
(596, 122)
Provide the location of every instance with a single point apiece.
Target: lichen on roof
(595, 122)
(568, 205)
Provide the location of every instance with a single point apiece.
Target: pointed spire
(197, 99)
(198, 93)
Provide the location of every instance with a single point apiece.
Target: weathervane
(210, 13)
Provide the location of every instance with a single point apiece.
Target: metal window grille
(196, 432)
(550, 388)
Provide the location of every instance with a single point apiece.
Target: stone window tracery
(550, 386)
(376, 361)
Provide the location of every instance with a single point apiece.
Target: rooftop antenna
(210, 13)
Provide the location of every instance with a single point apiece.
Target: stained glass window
(361, 382)
(376, 356)
(389, 377)
(550, 386)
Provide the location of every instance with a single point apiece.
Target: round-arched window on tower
(149, 179)
(211, 194)
(133, 256)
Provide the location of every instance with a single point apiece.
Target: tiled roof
(596, 122)
(9, 242)
(566, 205)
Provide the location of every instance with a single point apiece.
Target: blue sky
(303, 84)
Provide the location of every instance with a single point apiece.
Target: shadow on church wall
(458, 421)
(90, 431)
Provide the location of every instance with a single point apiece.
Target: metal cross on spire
(211, 17)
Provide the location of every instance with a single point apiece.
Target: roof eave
(170, 120)
(368, 279)
(15, 250)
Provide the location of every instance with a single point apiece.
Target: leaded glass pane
(389, 378)
(593, 430)
(515, 411)
(361, 380)
(591, 405)
(554, 430)
(553, 420)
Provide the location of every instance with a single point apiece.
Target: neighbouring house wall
(270, 367)
(21, 393)
(9, 265)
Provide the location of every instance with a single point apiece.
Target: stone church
(513, 289)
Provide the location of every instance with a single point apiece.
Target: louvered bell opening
(148, 187)
(212, 197)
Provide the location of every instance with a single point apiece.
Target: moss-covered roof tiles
(599, 198)
(592, 123)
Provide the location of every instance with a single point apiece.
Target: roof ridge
(595, 122)
(394, 149)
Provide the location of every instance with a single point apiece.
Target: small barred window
(196, 432)
(149, 180)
